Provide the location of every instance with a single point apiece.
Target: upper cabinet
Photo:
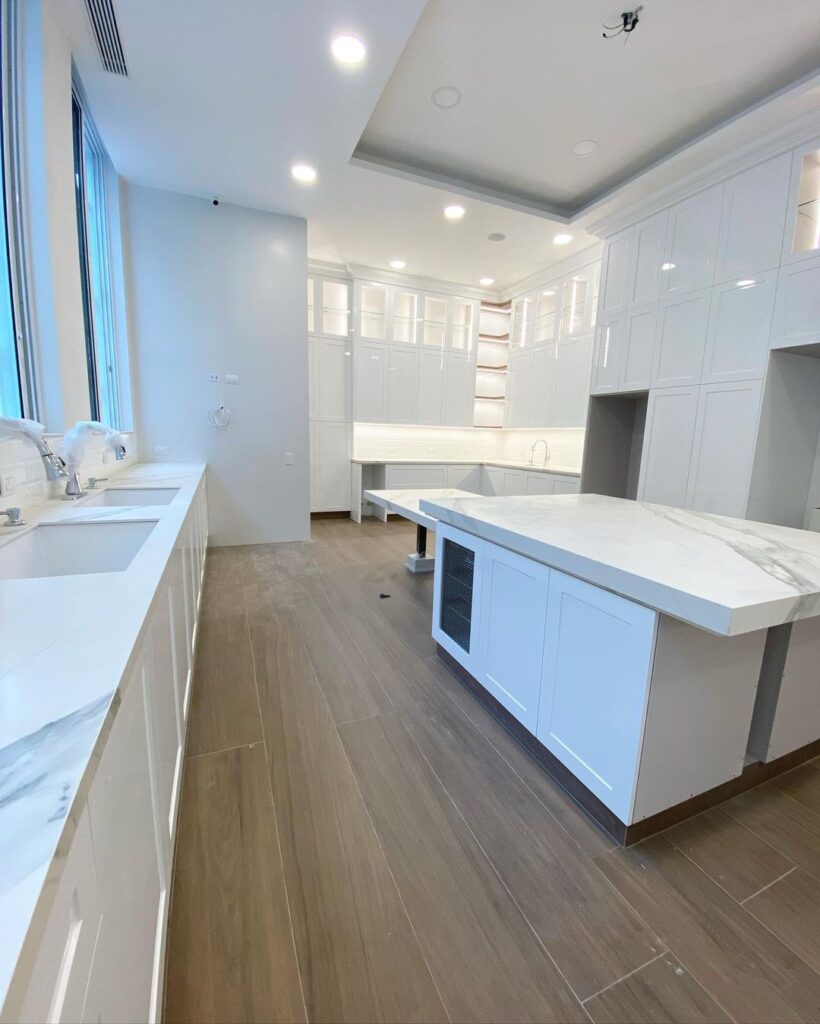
(616, 274)
(802, 236)
(404, 321)
(649, 244)
(371, 306)
(692, 240)
(328, 307)
(754, 215)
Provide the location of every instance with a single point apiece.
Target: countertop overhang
(724, 575)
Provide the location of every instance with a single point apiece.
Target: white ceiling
(536, 77)
(223, 98)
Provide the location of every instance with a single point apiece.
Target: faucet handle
(15, 516)
(94, 480)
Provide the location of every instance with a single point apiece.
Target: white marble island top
(724, 575)
(65, 645)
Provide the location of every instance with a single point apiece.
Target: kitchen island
(653, 659)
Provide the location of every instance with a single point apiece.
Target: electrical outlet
(8, 485)
(288, 458)
(214, 378)
(160, 449)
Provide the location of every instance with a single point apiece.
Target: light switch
(288, 458)
(231, 378)
(160, 449)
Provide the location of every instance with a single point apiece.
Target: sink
(122, 497)
(69, 549)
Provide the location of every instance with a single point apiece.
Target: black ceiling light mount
(627, 25)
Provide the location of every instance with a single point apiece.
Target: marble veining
(725, 575)
(65, 645)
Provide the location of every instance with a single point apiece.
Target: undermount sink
(70, 549)
(122, 497)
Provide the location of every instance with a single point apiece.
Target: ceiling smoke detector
(496, 236)
(585, 147)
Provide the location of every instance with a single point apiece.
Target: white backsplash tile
(21, 460)
(383, 442)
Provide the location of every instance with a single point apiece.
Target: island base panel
(751, 775)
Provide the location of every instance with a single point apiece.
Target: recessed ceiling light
(747, 282)
(398, 264)
(496, 236)
(585, 147)
(304, 173)
(487, 281)
(549, 291)
(348, 49)
(562, 239)
(668, 266)
(446, 97)
(454, 212)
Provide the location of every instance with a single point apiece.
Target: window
(16, 383)
(90, 171)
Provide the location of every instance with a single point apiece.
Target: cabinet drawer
(415, 476)
(56, 989)
(566, 485)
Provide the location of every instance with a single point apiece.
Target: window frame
(12, 208)
(99, 314)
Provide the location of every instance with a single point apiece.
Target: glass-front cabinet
(328, 307)
(405, 317)
(372, 310)
(463, 328)
(434, 324)
(806, 237)
(546, 314)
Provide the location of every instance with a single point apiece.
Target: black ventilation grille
(457, 593)
(107, 34)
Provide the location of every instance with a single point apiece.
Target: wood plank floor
(360, 840)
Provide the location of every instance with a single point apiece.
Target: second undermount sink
(122, 497)
(69, 549)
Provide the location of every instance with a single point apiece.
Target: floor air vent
(107, 34)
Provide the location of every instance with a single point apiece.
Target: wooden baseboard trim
(330, 515)
(625, 835)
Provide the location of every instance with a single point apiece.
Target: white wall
(222, 290)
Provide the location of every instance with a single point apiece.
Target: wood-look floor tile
(593, 935)
(791, 909)
(351, 690)
(224, 708)
(737, 859)
(786, 824)
(752, 974)
(359, 958)
(663, 991)
(803, 785)
(230, 945)
(488, 964)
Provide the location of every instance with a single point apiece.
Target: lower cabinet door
(539, 483)
(511, 631)
(566, 485)
(514, 483)
(457, 595)
(595, 684)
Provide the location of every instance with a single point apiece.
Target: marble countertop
(724, 575)
(65, 645)
(501, 464)
(406, 502)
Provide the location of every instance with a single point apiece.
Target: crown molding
(324, 268)
(546, 275)
(420, 283)
(801, 131)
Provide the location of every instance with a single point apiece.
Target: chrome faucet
(74, 489)
(15, 516)
(34, 431)
(546, 451)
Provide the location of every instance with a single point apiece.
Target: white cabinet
(723, 449)
(518, 401)
(371, 382)
(566, 485)
(670, 430)
(573, 366)
(615, 274)
(608, 356)
(411, 477)
(125, 977)
(539, 483)
(402, 374)
(639, 348)
(513, 483)
(330, 383)
(681, 340)
(740, 319)
(492, 481)
(328, 307)
(754, 215)
(593, 695)
(649, 244)
(465, 478)
(459, 387)
(692, 241)
(511, 631)
(330, 452)
(431, 385)
(540, 368)
(59, 975)
(797, 309)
